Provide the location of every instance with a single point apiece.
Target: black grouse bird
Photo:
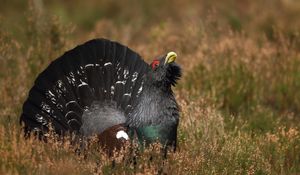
(102, 87)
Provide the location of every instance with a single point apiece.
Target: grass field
(239, 95)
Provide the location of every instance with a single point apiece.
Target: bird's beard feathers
(164, 76)
(173, 73)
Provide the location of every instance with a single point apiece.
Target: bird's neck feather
(155, 106)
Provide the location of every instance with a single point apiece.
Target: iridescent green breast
(164, 134)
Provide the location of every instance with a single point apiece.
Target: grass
(239, 95)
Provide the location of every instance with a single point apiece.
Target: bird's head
(164, 70)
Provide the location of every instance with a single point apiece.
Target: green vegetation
(239, 95)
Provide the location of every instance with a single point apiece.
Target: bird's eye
(154, 64)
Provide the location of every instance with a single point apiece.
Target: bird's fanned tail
(97, 71)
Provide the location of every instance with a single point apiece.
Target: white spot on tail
(70, 102)
(82, 84)
(46, 107)
(121, 82)
(108, 63)
(51, 93)
(41, 119)
(125, 73)
(134, 76)
(72, 120)
(89, 65)
(71, 78)
(68, 113)
(60, 83)
(127, 94)
(140, 89)
(36, 129)
(122, 134)
(112, 90)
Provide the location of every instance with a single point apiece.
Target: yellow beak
(171, 57)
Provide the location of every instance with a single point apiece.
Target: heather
(239, 94)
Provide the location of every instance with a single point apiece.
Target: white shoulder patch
(122, 134)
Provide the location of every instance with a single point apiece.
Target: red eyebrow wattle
(154, 63)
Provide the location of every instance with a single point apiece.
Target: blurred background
(240, 92)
